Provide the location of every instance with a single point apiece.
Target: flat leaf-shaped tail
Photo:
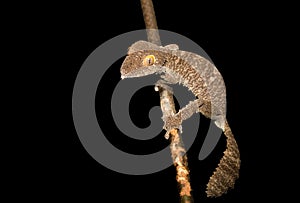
(227, 171)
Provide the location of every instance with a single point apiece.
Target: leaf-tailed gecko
(203, 79)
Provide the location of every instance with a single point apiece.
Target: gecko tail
(227, 172)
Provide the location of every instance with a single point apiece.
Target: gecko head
(142, 60)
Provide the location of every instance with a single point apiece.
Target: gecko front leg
(166, 80)
(174, 120)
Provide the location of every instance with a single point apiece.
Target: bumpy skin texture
(191, 70)
(204, 80)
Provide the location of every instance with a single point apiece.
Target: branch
(178, 151)
(150, 22)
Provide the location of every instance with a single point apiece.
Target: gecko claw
(167, 135)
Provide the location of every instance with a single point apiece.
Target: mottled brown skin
(134, 62)
(204, 80)
(186, 68)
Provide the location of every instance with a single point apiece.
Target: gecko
(204, 80)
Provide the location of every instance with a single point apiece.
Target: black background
(233, 35)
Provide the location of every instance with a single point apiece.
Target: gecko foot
(172, 122)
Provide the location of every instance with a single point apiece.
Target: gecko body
(203, 79)
(191, 70)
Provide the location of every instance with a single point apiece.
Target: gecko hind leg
(218, 118)
(191, 108)
(184, 113)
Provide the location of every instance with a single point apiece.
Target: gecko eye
(149, 60)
